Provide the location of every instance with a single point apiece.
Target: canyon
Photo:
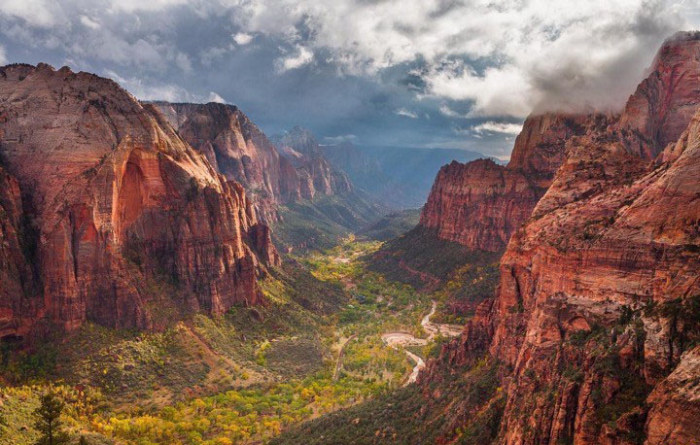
(591, 335)
(553, 300)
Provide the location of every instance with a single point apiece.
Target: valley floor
(332, 335)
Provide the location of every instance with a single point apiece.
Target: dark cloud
(428, 73)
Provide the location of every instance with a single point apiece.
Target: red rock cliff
(118, 202)
(597, 304)
(241, 152)
(480, 204)
(316, 175)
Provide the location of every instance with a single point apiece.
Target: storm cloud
(428, 73)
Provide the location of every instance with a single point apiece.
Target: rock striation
(597, 307)
(480, 204)
(291, 169)
(117, 214)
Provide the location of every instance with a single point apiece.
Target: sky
(409, 73)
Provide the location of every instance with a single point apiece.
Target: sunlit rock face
(288, 170)
(594, 308)
(113, 202)
(480, 204)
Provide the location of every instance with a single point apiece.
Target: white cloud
(214, 97)
(143, 5)
(3, 58)
(406, 113)
(302, 57)
(538, 54)
(37, 13)
(334, 140)
(88, 22)
(242, 38)
(144, 90)
(501, 58)
(449, 112)
(497, 127)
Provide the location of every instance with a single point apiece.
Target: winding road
(404, 339)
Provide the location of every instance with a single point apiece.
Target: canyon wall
(597, 309)
(291, 169)
(480, 204)
(119, 216)
(316, 175)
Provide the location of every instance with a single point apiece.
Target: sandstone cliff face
(657, 113)
(599, 290)
(316, 175)
(236, 148)
(625, 243)
(17, 285)
(272, 175)
(480, 204)
(119, 202)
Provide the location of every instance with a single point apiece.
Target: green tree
(48, 421)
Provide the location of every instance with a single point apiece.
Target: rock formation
(315, 173)
(272, 175)
(599, 293)
(237, 149)
(480, 204)
(117, 214)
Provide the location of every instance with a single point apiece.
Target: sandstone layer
(273, 174)
(118, 213)
(480, 204)
(597, 307)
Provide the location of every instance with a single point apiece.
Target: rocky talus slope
(108, 215)
(597, 314)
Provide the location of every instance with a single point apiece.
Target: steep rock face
(119, 202)
(272, 175)
(17, 285)
(236, 148)
(599, 293)
(480, 204)
(658, 112)
(675, 403)
(578, 266)
(316, 175)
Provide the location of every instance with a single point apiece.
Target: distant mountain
(397, 177)
(294, 188)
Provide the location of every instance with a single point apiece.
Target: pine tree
(48, 421)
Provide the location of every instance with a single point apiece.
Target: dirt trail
(341, 354)
(404, 339)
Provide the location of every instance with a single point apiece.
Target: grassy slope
(456, 277)
(392, 225)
